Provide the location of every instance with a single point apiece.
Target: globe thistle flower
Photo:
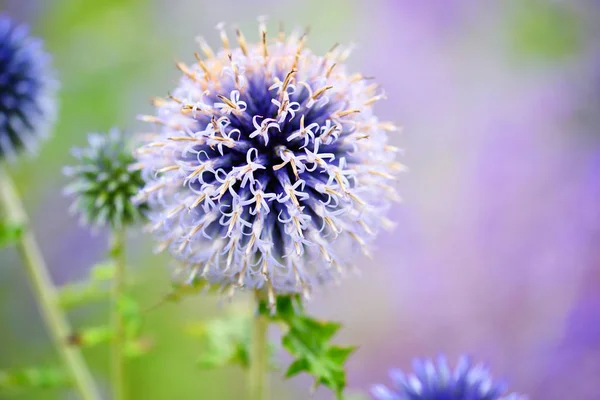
(433, 381)
(104, 182)
(27, 90)
(269, 166)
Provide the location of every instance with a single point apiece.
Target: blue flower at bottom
(436, 381)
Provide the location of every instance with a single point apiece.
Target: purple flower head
(27, 89)
(269, 166)
(436, 381)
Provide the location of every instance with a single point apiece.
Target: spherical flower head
(269, 166)
(27, 90)
(436, 381)
(104, 181)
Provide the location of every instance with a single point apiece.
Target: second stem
(117, 254)
(45, 291)
(259, 353)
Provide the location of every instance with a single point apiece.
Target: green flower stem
(45, 291)
(117, 253)
(259, 355)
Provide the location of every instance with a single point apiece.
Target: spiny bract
(269, 166)
(27, 89)
(438, 382)
(104, 182)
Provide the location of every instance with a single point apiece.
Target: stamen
(175, 211)
(208, 264)
(183, 245)
(331, 50)
(356, 198)
(365, 227)
(242, 42)
(326, 255)
(329, 132)
(207, 75)
(205, 47)
(328, 56)
(343, 56)
(270, 294)
(243, 272)
(319, 92)
(235, 71)
(281, 36)
(388, 126)
(175, 99)
(167, 169)
(330, 70)
(150, 118)
(154, 188)
(227, 101)
(301, 43)
(162, 246)
(396, 166)
(198, 200)
(196, 172)
(214, 123)
(288, 79)
(186, 71)
(223, 35)
(355, 78)
(232, 221)
(382, 174)
(158, 102)
(262, 31)
(185, 139)
(230, 255)
(374, 99)
(156, 144)
(347, 112)
(264, 44)
(251, 243)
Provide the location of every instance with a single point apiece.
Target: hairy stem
(259, 353)
(117, 353)
(45, 291)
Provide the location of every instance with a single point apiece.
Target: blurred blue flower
(436, 381)
(27, 89)
(269, 166)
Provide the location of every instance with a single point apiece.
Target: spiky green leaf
(308, 340)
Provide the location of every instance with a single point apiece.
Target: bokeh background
(497, 248)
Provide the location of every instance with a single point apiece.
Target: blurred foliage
(545, 29)
(33, 378)
(9, 233)
(93, 289)
(226, 340)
